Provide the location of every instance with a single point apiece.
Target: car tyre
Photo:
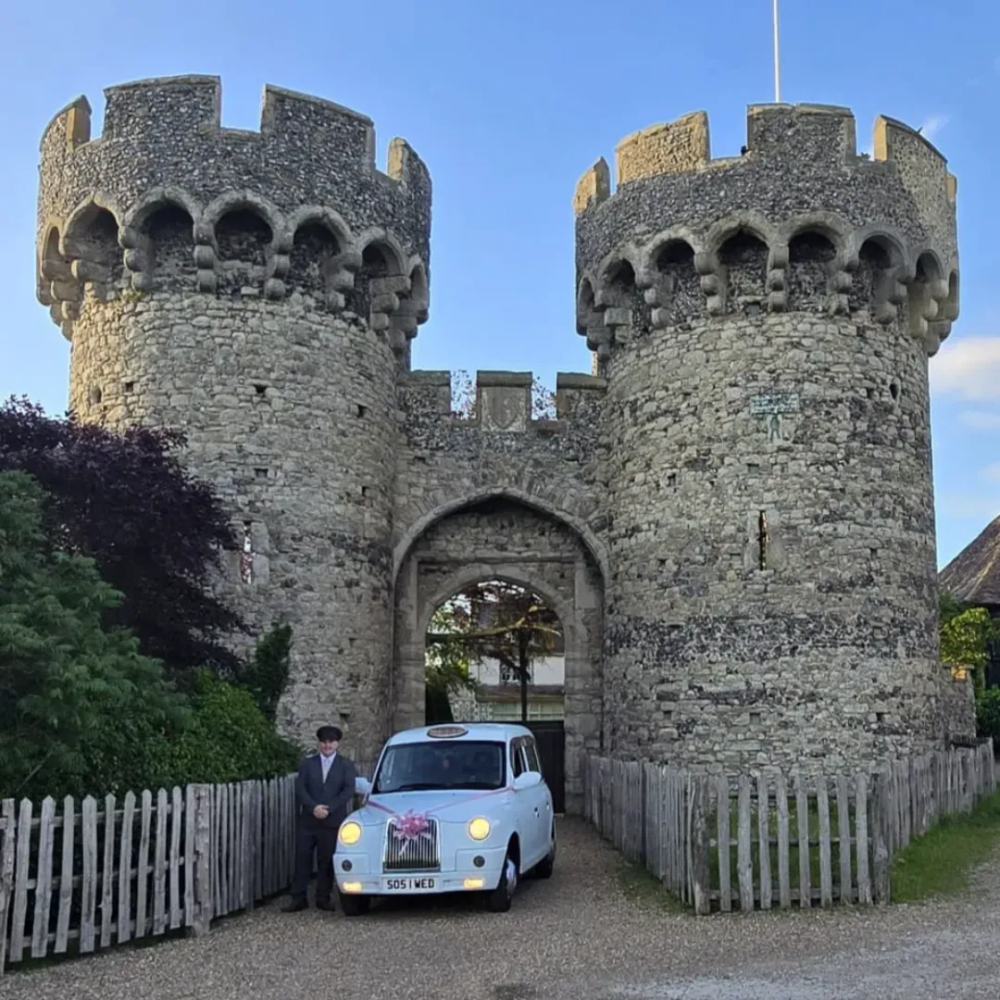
(499, 900)
(545, 867)
(354, 906)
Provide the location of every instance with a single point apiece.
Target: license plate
(408, 884)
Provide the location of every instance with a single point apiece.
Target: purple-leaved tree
(155, 532)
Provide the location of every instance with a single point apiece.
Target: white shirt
(326, 763)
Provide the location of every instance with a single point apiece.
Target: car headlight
(479, 829)
(350, 833)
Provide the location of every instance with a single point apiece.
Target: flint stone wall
(279, 434)
(733, 516)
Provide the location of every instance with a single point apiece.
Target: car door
(524, 803)
(542, 799)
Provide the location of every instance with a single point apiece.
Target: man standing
(324, 790)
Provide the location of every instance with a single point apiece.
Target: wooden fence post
(698, 866)
(881, 804)
(8, 831)
(198, 852)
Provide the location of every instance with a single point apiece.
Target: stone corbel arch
(715, 280)
(657, 287)
(940, 328)
(927, 294)
(841, 268)
(276, 254)
(346, 263)
(590, 319)
(385, 291)
(84, 268)
(420, 288)
(139, 253)
(612, 300)
(55, 285)
(413, 308)
(891, 290)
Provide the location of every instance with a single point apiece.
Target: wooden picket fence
(76, 877)
(801, 838)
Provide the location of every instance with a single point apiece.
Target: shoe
(325, 904)
(295, 905)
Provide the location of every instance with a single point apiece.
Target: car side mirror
(362, 786)
(527, 780)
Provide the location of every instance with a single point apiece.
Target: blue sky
(508, 103)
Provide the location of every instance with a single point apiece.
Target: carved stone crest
(504, 408)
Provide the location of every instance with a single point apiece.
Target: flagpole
(777, 62)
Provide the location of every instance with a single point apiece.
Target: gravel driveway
(578, 935)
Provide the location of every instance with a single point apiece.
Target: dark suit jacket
(337, 792)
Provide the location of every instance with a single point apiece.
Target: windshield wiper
(482, 785)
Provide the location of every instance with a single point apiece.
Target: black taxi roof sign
(447, 732)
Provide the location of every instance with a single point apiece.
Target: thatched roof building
(973, 575)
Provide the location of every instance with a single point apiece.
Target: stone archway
(503, 538)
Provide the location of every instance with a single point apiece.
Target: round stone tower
(764, 323)
(258, 290)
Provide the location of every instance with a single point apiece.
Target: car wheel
(499, 900)
(354, 906)
(545, 867)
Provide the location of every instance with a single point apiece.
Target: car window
(516, 758)
(531, 753)
(441, 765)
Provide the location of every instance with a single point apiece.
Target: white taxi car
(450, 808)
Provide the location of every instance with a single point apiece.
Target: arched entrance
(504, 538)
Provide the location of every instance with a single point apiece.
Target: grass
(940, 862)
(638, 886)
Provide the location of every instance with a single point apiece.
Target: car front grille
(417, 854)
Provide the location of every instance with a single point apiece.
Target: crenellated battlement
(503, 404)
(168, 199)
(170, 107)
(798, 222)
(811, 133)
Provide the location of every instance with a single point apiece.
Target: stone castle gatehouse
(732, 515)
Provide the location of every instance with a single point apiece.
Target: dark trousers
(322, 840)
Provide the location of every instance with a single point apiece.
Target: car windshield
(411, 767)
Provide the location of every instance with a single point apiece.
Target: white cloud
(981, 420)
(969, 368)
(933, 125)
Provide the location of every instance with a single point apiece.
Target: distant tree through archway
(491, 636)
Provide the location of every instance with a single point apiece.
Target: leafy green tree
(966, 632)
(229, 738)
(493, 620)
(988, 714)
(447, 664)
(266, 676)
(155, 531)
(68, 685)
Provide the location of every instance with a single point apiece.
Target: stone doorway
(502, 538)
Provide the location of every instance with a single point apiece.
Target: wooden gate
(551, 739)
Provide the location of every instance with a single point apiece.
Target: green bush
(83, 712)
(69, 687)
(228, 739)
(988, 714)
(266, 676)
